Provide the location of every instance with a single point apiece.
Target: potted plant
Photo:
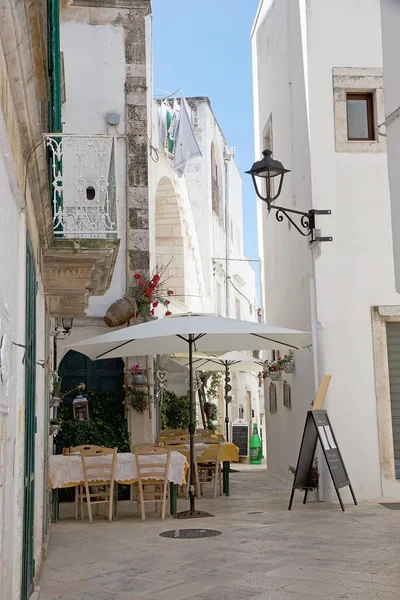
(150, 292)
(287, 363)
(211, 411)
(313, 481)
(54, 426)
(138, 399)
(139, 375)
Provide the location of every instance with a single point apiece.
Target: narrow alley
(264, 551)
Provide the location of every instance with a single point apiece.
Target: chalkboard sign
(240, 436)
(318, 427)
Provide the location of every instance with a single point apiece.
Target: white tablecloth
(66, 471)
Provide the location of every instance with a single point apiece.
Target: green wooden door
(28, 563)
(105, 375)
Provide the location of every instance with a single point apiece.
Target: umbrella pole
(192, 513)
(227, 379)
(192, 426)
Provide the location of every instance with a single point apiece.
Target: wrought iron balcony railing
(83, 185)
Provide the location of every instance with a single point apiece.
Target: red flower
(149, 291)
(170, 292)
(168, 313)
(136, 276)
(152, 312)
(141, 283)
(155, 303)
(168, 302)
(137, 315)
(156, 279)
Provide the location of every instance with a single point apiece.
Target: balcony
(80, 261)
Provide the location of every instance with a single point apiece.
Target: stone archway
(170, 241)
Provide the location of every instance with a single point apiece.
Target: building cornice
(129, 4)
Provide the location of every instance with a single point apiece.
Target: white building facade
(198, 227)
(318, 97)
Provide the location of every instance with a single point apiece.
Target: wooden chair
(79, 489)
(152, 475)
(173, 432)
(208, 467)
(98, 471)
(177, 441)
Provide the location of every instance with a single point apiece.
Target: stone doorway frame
(380, 316)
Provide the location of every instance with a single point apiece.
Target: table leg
(55, 506)
(115, 502)
(226, 465)
(173, 499)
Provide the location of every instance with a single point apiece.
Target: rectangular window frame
(369, 98)
(357, 80)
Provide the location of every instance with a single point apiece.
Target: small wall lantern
(80, 407)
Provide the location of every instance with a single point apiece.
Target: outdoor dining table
(228, 453)
(66, 472)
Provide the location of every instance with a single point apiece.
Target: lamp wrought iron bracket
(305, 224)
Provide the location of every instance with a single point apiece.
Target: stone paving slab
(265, 552)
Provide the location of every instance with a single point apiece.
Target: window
(357, 111)
(215, 184)
(360, 117)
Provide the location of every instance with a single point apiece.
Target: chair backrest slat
(95, 465)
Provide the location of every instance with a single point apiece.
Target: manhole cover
(392, 505)
(189, 534)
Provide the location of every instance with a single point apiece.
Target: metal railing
(83, 185)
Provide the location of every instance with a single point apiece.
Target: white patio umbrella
(231, 361)
(193, 333)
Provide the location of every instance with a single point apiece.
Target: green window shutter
(54, 60)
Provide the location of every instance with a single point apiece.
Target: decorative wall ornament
(273, 405)
(287, 395)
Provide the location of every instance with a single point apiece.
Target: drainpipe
(315, 344)
(227, 159)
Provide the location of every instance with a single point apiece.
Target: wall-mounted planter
(274, 375)
(55, 401)
(289, 367)
(54, 429)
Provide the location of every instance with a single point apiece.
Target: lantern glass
(80, 407)
(67, 323)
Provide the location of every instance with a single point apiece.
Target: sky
(204, 47)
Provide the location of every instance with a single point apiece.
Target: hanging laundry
(186, 146)
(162, 124)
(172, 128)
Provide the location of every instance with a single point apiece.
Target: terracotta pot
(121, 311)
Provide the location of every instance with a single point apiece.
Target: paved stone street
(265, 552)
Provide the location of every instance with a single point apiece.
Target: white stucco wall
(200, 234)
(356, 270)
(12, 402)
(390, 13)
(94, 82)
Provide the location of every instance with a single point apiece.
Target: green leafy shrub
(107, 425)
(175, 412)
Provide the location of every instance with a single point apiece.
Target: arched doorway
(170, 242)
(105, 376)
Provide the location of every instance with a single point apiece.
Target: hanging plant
(274, 369)
(137, 399)
(139, 375)
(151, 291)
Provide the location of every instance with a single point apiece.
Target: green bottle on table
(255, 447)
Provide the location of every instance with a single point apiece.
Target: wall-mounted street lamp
(268, 169)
